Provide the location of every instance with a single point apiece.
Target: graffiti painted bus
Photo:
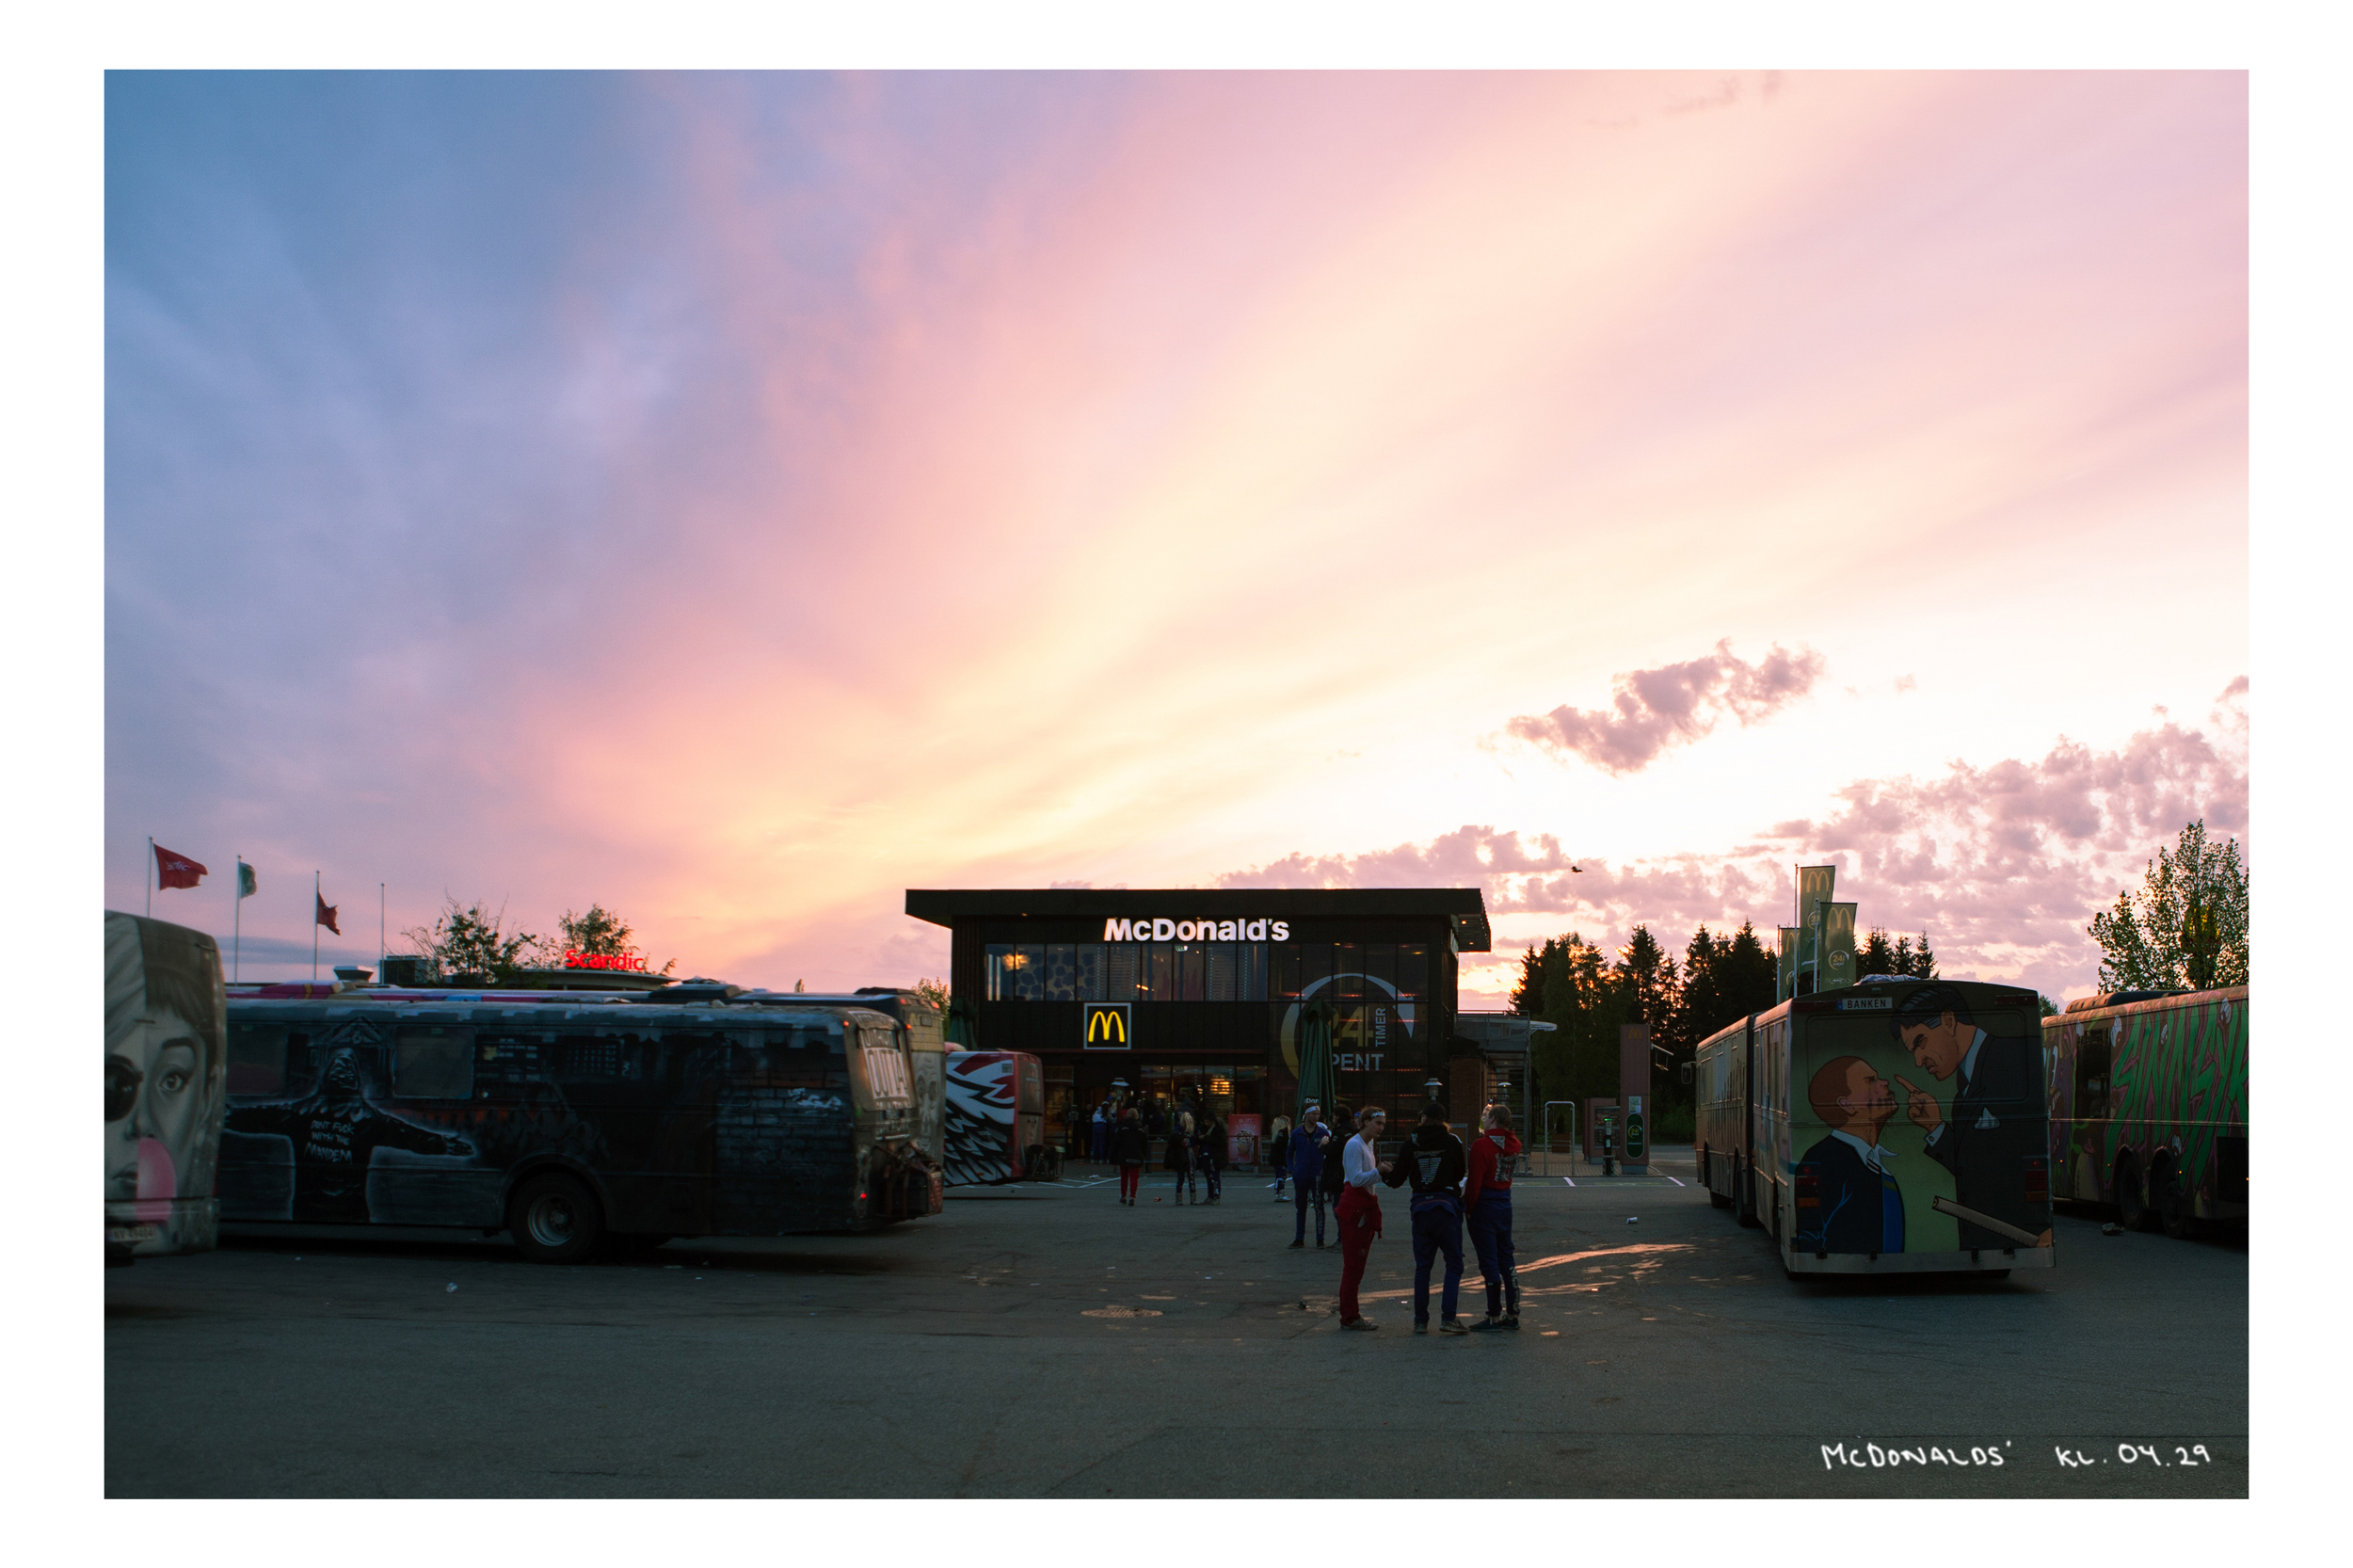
(165, 1031)
(1888, 1127)
(921, 1030)
(2148, 1106)
(996, 1119)
(567, 1123)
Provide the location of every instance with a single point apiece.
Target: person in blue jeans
(1487, 1205)
(1306, 1152)
(1433, 1162)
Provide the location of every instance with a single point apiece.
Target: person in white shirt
(1360, 1211)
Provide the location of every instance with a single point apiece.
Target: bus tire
(556, 1220)
(1743, 1194)
(1707, 1180)
(2132, 1204)
(2176, 1213)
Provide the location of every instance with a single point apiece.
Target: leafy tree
(935, 992)
(470, 940)
(2186, 925)
(600, 931)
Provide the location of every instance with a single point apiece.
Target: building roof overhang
(1464, 908)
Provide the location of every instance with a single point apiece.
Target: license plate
(132, 1234)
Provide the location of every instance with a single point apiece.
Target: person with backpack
(1433, 1162)
(1359, 1213)
(1307, 1142)
(1279, 1153)
(1130, 1149)
(1487, 1200)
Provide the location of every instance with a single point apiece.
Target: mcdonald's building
(1177, 994)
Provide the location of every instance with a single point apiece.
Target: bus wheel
(2132, 1206)
(1707, 1180)
(2174, 1209)
(554, 1220)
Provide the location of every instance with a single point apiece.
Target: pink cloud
(1673, 704)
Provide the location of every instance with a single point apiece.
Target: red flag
(178, 871)
(325, 915)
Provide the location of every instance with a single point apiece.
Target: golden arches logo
(1107, 1026)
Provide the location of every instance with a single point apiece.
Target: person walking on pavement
(1433, 1163)
(1210, 1153)
(1487, 1205)
(1279, 1153)
(1359, 1213)
(1307, 1158)
(1130, 1148)
(1099, 1143)
(1180, 1156)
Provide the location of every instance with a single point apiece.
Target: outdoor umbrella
(1317, 1084)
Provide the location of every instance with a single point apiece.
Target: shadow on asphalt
(751, 1254)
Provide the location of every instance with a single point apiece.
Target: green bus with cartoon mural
(1894, 1125)
(2148, 1106)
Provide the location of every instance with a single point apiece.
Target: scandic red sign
(574, 959)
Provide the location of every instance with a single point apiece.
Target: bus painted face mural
(1996, 1123)
(165, 1069)
(1848, 1199)
(335, 1132)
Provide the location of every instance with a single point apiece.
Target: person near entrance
(1433, 1162)
(1279, 1153)
(1130, 1148)
(1180, 1152)
(1100, 1130)
(1210, 1153)
(1307, 1157)
(1359, 1213)
(1487, 1210)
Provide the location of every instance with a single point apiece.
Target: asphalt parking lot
(1043, 1341)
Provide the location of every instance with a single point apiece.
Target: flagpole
(316, 899)
(379, 934)
(236, 939)
(151, 876)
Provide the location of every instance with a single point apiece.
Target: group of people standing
(1453, 1185)
(1194, 1154)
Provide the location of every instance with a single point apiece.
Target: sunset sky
(737, 499)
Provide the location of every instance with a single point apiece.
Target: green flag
(246, 884)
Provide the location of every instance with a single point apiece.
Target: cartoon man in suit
(1997, 1121)
(1858, 1206)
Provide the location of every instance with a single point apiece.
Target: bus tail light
(1809, 1188)
(2038, 1179)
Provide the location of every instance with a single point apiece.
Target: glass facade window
(1348, 960)
(1380, 965)
(1252, 979)
(1161, 967)
(1224, 983)
(1122, 981)
(999, 960)
(1061, 972)
(1092, 976)
(1029, 975)
(1413, 971)
(1193, 962)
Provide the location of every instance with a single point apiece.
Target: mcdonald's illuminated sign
(1105, 1026)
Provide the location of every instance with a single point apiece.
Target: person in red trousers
(1360, 1211)
(1130, 1148)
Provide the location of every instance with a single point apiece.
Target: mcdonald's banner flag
(1786, 967)
(1814, 889)
(1103, 1026)
(325, 915)
(176, 870)
(248, 884)
(1837, 946)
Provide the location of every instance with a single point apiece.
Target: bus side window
(431, 1061)
(2092, 1073)
(588, 1059)
(257, 1058)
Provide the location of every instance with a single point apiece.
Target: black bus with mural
(571, 1121)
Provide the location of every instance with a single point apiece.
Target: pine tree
(1878, 956)
(1923, 960)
